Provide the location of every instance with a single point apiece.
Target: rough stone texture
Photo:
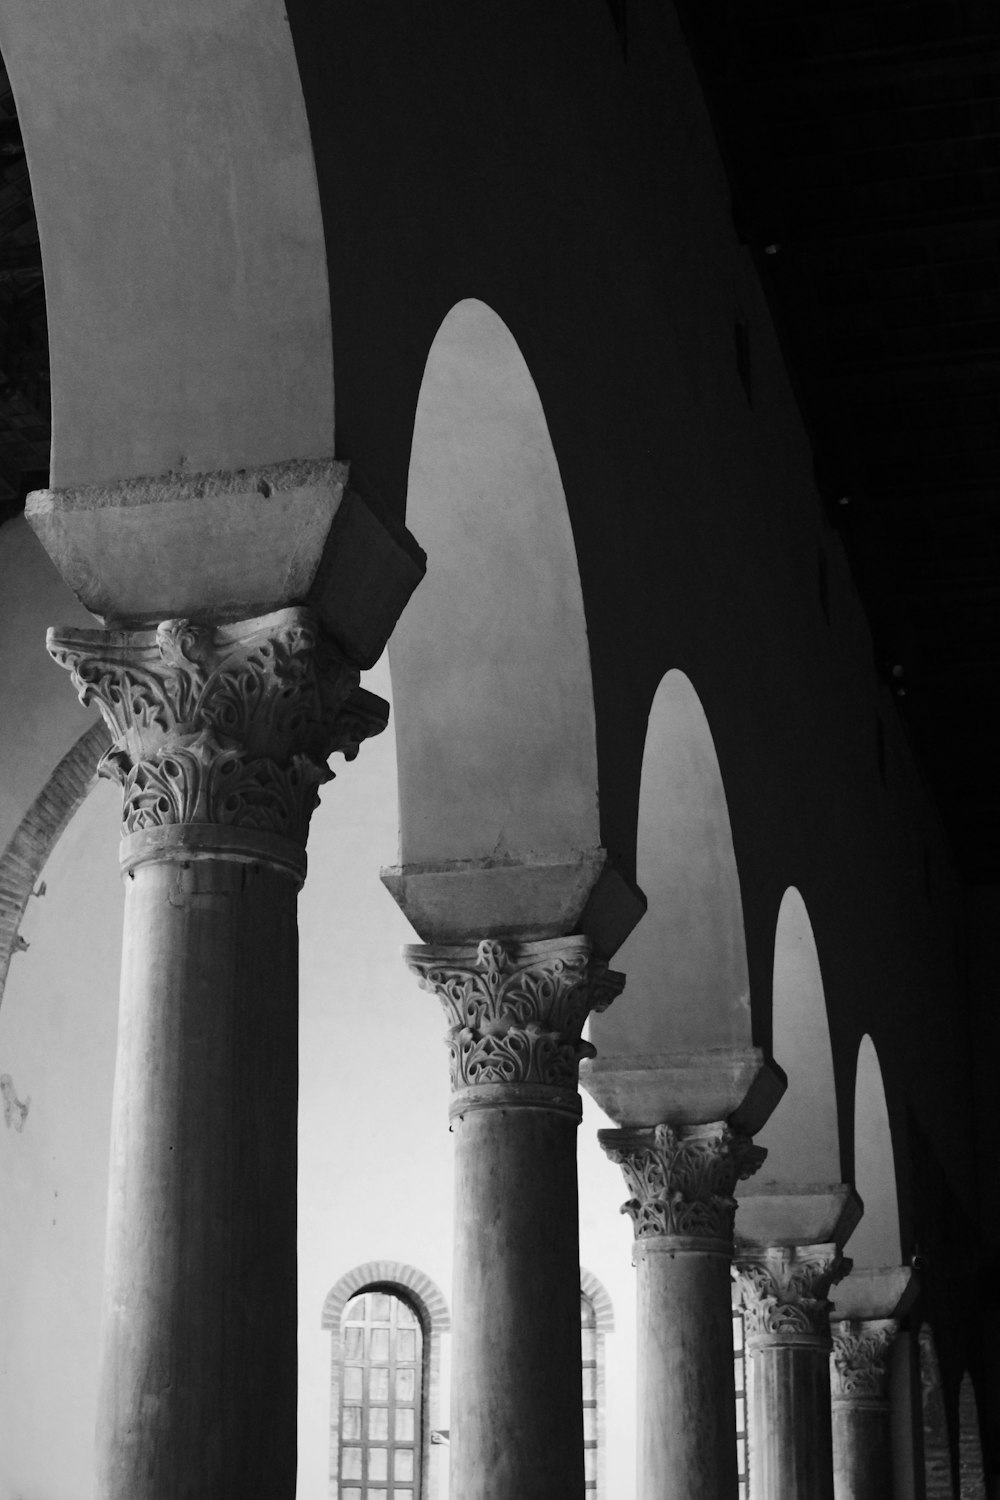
(738, 1084)
(227, 545)
(523, 899)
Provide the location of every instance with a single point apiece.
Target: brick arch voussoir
(388, 1273)
(596, 1292)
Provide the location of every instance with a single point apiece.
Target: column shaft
(791, 1443)
(862, 1452)
(515, 1013)
(682, 1180)
(221, 733)
(517, 1422)
(686, 1394)
(198, 1387)
(786, 1316)
(862, 1433)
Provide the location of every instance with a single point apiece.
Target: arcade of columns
(224, 706)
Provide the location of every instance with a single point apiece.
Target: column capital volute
(682, 1180)
(516, 1012)
(221, 728)
(859, 1362)
(783, 1292)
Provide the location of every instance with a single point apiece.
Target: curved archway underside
(876, 1240)
(490, 663)
(688, 986)
(801, 1136)
(181, 235)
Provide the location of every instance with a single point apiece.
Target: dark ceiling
(863, 146)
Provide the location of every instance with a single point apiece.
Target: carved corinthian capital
(859, 1362)
(783, 1290)
(516, 1013)
(221, 724)
(682, 1180)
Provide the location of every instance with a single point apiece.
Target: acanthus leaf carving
(682, 1179)
(226, 724)
(783, 1289)
(859, 1360)
(516, 1011)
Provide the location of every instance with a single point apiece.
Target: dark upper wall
(507, 153)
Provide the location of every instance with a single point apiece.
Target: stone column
(787, 1320)
(682, 1180)
(516, 1010)
(859, 1382)
(221, 734)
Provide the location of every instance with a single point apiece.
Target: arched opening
(490, 664)
(688, 988)
(875, 1242)
(180, 227)
(386, 1321)
(596, 1322)
(801, 1138)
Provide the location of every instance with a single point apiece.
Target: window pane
(350, 1426)
(351, 1494)
(589, 1383)
(406, 1344)
(404, 1424)
(378, 1384)
(352, 1382)
(379, 1309)
(586, 1312)
(351, 1463)
(590, 1424)
(406, 1384)
(399, 1494)
(354, 1312)
(405, 1314)
(403, 1467)
(590, 1463)
(377, 1494)
(380, 1346)
(354, 1343)
(588, 1339)
(378, 1463)
(378, 1424)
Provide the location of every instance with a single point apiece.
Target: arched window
(386, 1320)
(596, 1320)
(381, 1399)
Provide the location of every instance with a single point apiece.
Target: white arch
(182, 243)
(876, 1240)
(688, 987)
(801, 1136)
(490, 663)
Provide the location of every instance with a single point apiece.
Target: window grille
(742, 1404)
(380, 1401)
(588, 1341)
